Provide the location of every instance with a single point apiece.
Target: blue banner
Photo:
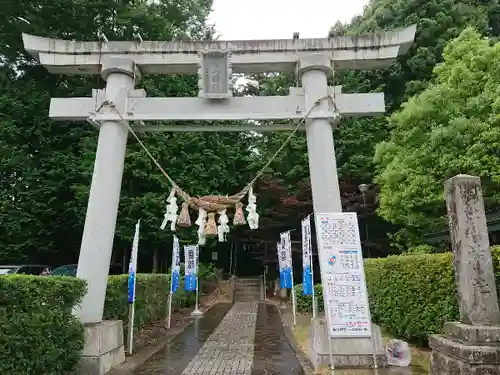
(285, 261)
(131, 287)
(132, 266)
(190, 282)
(176, 266)
(307, 264)
(286, 278)
(190, 267)
(307, 284)
(175, 281)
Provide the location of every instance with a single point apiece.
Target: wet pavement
(273, 354)
(246, 338)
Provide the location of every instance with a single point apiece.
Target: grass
(420, 356)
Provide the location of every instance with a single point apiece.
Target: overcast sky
(279, 19)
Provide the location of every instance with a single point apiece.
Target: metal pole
(169, 308)
(131, 316)
(231, 259)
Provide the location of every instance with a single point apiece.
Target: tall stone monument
(471, 346)
(122, 63)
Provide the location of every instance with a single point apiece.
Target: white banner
(190, 267)
(176, 265)
(342, 275)
(306, 242)
(285, 261)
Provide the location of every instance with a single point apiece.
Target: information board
(342, 275)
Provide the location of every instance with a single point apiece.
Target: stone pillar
(313, 72)
(99, 230)
(471, 345)
(347, 352)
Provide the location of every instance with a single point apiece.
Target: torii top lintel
(369, 51)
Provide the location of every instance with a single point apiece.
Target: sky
(279, 19)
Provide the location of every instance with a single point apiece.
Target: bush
(411, 296)
(39, 335)
(151, 299)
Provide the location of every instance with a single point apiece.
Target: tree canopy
(452, 127)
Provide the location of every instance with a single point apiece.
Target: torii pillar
(100, 221)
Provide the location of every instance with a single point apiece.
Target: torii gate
(121, 63)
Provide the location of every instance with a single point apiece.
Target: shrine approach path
(246, 338)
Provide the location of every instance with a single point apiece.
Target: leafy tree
(451, 127)
(46, 167)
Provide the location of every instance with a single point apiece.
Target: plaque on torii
(121, 63)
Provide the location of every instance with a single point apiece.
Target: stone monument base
(347, 352)
(103, 349)
(466, 350)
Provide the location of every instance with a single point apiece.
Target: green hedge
(38, 333)
(151, 297)
(411, 296)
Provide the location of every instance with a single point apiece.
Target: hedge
(411, 296)
(151, 297)
(38, 333)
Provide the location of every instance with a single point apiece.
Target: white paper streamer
(253, 216)
(170, 212)
(223, 227)
(200, 221)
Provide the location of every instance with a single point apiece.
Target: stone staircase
(248, 289)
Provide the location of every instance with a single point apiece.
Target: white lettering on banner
(176, 257)
(286, 250)
(342, 275)
(306, 242)
(190, 253)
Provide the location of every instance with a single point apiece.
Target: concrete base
(347, 352)
(196, 313)
(466, 350)
(103, 349)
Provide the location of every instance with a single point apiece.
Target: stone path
(229, 350)
(245, 339)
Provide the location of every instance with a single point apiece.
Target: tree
(46, 167)
(451, 127)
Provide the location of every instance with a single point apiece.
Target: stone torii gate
(122, 63)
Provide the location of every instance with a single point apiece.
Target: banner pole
(314, 302)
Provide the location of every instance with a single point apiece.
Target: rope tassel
(184, 221)
(239, 216)
(211, 226)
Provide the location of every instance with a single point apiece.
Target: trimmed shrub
(38, 333)
(411, 296)
(151, 299)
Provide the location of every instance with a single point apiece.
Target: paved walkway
(246, 338)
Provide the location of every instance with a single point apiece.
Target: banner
(307, 275)
(176, 266)
(190, 267)
(132, 266)
(285, 261)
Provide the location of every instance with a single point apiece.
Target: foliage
(46, 167)
(411, 296)
(448, 129)
(304, 303)
(421, 249)
(39, 333)
(151, 300)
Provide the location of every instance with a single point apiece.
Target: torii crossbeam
(121, 63)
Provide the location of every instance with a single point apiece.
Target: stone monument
(472, 345)
(110, 110)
